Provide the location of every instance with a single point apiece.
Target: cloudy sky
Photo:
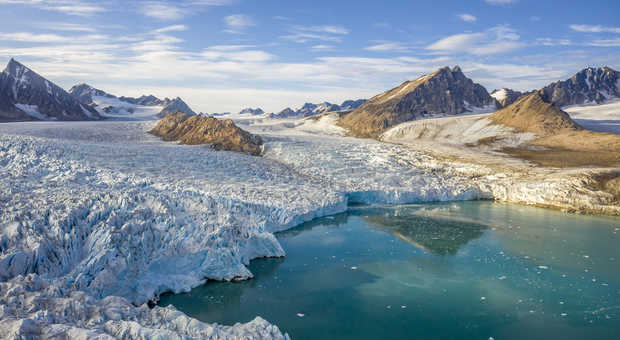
(222, 55)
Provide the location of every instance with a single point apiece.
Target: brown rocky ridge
(561, 141)
(446, 91)
(221, 134)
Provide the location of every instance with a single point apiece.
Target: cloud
(605, 43)
(67, 27)
(535, 18)
(236, 23)
(500, 2)
(303, 34)
(468, 17)
(553, 42)
(162, 11)
(317, 48)
(70, 7)
(171, 11)
(323, 29)
(49, 38)
(499, 39)
(387, 47)
(594, 29)
(173, 28)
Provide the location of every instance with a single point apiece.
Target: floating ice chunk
(543, 267)
(563, 314)
(301, 315)
(502, 277)
(483, 298)
(354, 268)
(403, 307)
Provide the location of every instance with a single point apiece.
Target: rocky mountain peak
(175, 105)
(590, 85)
(446, 91)
(26, 95)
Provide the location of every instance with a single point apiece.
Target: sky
(224, 55)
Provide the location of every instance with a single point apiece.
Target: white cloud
(176, 10)
(304, 34)
(323, 29)
(317, 48)
(499, 39)
(173, 28)
(387, 47)
(238, 22)
(594, 29)
(67, 27)
(49, 38)
(500, 2)
(162, 11)
(554, 42)
(605, 42)
(468, 17)
(70, 7)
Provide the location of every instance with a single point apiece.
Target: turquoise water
(471, 270)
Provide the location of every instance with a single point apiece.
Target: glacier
(99, 218)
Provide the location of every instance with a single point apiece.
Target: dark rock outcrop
(25, 95)
(590, 85)
(194, 130)
(446, 91)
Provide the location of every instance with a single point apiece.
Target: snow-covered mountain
(85, 93)
(588, 86)
(174, 105)
(250, 111)
(348, 105)
(307, 110)
(445, 91)
(149, 100)
(25, 95)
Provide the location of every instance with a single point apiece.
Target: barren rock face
(446, 91)
(194, 130)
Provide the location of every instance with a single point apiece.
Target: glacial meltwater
(471, 270)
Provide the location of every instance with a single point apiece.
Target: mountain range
(25, 95)
(309, 109)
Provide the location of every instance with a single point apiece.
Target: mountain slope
(534, 113)
(590, 85)
(25, 95)
(446, 91)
